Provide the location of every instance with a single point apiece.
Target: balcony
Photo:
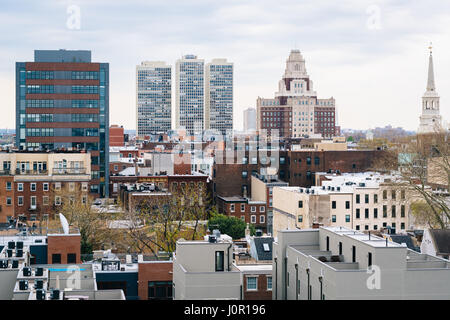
(31, 172)
(69, 171)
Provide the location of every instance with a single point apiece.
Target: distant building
(153, 98)
(295, 111)
(189, 94)
(62, 102)
(430, 120)
(249, 119)
(436, 243)
(116, 136)
(219, 96)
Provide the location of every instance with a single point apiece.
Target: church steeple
(430, 83)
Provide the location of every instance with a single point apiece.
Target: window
(252, 283)
(369, 262)
(402, 226)
(71, 186)
(232, 207)
(57, 186)
(33, 201)
(333, 218)
(393, 211)
(160, 290)
(253, 219)
(333, 204)
(33, 186)
(366, 198)
(357, 227)
(347, 218)
(56, 258)
(300, 218)
(262, 219)
(375, 198)
(20, 187)
(366, 213)
(57, 200)
(45, 186)
(45, 200)
(357, 198)
(243, 218)
(71, 258)
(300, 204)
(393, 194)
(384, 211)
(347, 204)
(262, 209)
(308, 160)
(253, 208)
(244, 174)
(402, 211)
(242, 207)
(402, 194)
(8, 201)
(219, 261)
(384, 194)
(20, 201)
(8, 185)
(357, 213)
(375, 213)
(269, 283)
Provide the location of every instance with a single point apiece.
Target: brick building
(155, 280)
(252, 212)
(116, 136)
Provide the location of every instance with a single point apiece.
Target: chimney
(136, 171)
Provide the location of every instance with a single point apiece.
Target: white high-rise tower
(430, 120)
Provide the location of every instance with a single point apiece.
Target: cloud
(377, 75)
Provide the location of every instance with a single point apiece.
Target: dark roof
(400, 238)
(259, 245)
(441, 240)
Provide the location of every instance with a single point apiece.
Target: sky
(371, 56)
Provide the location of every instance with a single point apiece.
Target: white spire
(430, 83)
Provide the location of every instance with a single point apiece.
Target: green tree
(228, 225)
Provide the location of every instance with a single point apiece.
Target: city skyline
(365, 55)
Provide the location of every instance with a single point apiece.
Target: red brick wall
(6, 210)
(152, 271)
(261, 293)
(116, 136)
(64, 244)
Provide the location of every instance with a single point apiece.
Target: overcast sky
(371, 56)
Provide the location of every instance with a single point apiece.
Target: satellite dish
(64, 223)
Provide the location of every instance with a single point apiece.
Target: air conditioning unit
(27, 271)
(23, 284)
(39, 272)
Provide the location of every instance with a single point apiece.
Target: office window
(71, 258)
(219, 261)
(300, 218)
(252, 283)
(232, 207)
(269, 283)
(333, 218)
(333, 204)
(347, 218)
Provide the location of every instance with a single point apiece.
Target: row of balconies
(55, 171)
